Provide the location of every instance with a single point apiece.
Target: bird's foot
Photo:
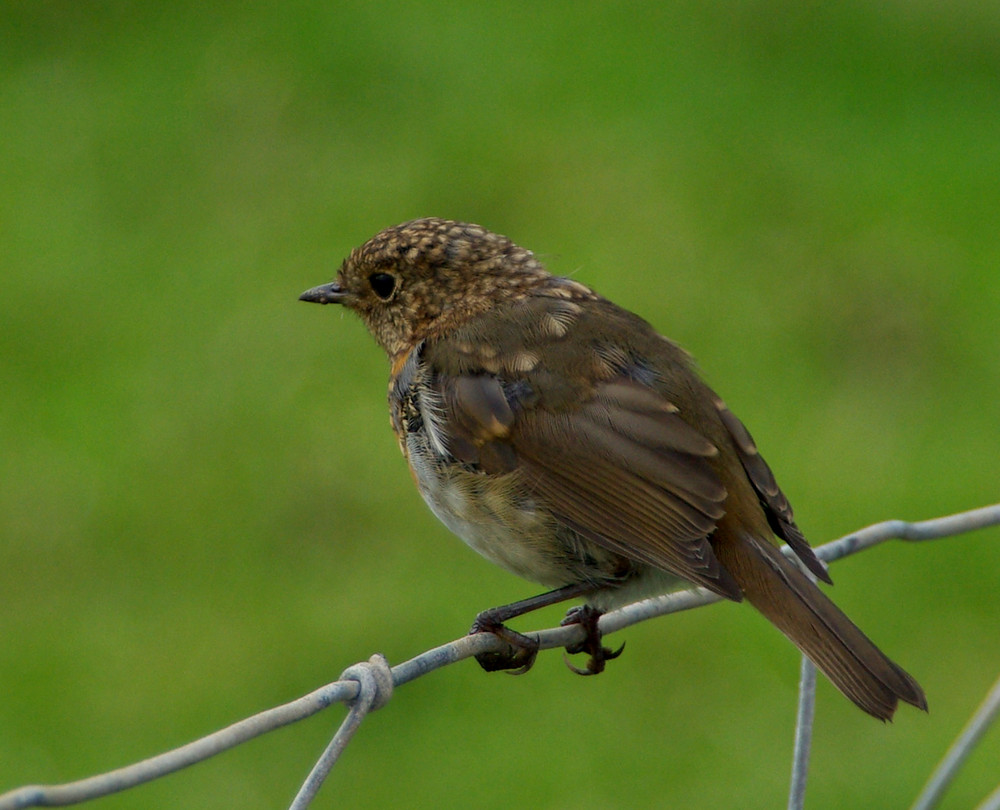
(587, 616)
(521, 651)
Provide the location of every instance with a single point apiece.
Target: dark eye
(383, 284)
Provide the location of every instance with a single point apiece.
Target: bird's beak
(331, 293)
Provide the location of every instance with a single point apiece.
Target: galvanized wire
(368, 687)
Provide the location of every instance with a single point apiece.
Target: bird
(564, 439)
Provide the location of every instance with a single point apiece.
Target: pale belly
(494, 519)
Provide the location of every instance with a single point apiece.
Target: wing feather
(623, 470)
(776, 506)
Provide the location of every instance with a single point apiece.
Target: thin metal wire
(375, 688)
(991, 802)
(170, 761)
(347, 690)
(803, 735)
(960, 751)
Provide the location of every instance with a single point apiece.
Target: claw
(595, 665)
(518, 658)
(513, 661)
(587, 617)
(528, 663)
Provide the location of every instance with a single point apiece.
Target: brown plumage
(564, 439)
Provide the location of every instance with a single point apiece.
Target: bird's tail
(796, 606)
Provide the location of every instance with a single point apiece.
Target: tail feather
(796, 606)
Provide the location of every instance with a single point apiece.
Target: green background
(203, 512)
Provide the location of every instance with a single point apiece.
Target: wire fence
(367, 686)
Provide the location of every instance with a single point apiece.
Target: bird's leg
(587, 617)
(522, 649)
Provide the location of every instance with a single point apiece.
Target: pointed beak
(331, 293)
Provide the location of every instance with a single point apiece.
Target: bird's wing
(772, 499)
(611, 458)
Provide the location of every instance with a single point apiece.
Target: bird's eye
(383, 284)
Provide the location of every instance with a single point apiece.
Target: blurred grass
(203, 513)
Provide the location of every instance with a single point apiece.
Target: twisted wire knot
(375, 683)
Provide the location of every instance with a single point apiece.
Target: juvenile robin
(562, 438)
